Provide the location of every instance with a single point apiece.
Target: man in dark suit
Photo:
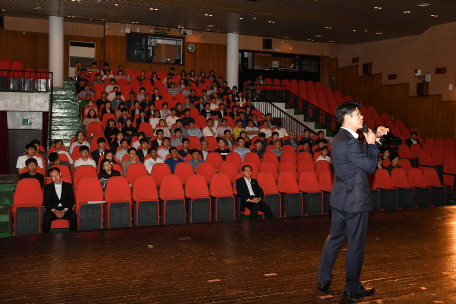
(101, 142)
(412, 140)
(142, 150)
(159, 140)
(58, 201)
(252, 196)
(350, 199)
(207, 112)
(204, 151)
(292, 141)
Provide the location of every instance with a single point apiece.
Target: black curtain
(4, 144)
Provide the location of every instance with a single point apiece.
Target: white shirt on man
(282, 132)
(76, 143)
(149, 163)
(354, 134)
(162, 152)
(21, 161)
(81, 162)
(327, 158)
(249, 186)
(208, 132)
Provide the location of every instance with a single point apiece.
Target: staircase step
(6, 198)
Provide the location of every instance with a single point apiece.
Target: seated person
(264, 142)
(80, 141)
(412, 140)
(101, 150)
(174, 159)
(386, 154)
(142, 153)
(37, 144)
(321, 145)
(238, 129)
(123, 151)
(137, 143)
(159, 140)
(275, 137)
(193, 131)
(206, 111)
(31, 164)
(221, 149)
(165, 150)
(179, 110)
(281, 131)
(277, 149)
(173, 90)
(195, 161)
(324, 155)
(152, 160)
(106, 172)
(84, 160)
(306, 148)
(321, 138)
(177, 140)
(379, 163)
(292, 141)
(266, 130)
(58, 201)
(172, 118)
(258, 149)
(229, 141)
(307, 138)
(185, 148)
(394, 163)
(30, 150)
(162, 126)
(210, 130)
(58, 145)
(204, 151)
(130, 160)
(269, 120)
(223, 127)
(251, 194)
(241, 150)
(180, 126)
(54, 159)
(121, 120)
(128, 130)
(187, 119)
(251, 130)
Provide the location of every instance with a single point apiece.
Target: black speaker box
(267, 44)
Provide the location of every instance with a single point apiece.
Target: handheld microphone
(366, 129)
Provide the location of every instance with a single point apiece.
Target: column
(56, 50)
(232, 60)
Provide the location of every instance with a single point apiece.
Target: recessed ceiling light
(377, 7)
(116, 4)
(254, 18)
(210, 25)
(269, 21)
(240, 18)
(3, 10)
(423, 4)
(379, 33)
(327, 27)
(354, 30)
(156, 9)
(285, 37)
(37, 8)
(331, 41)
(434, 16)
(273, 21)
(406, 12)
(69, 16)
(151, 8)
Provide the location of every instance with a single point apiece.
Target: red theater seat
(145, 196)
(172, 200)
(230, 170)
(83, 171)
(158, 171)
(388, 194)
(207, 170)
(184, 170)
(215, 159)
(326, 183)
(221, 192)
(438, 191)
(422, 192)
(271, 157)
(90, 216)
(118, 200)
(271, 193)
(253, 158)
(290, 195)
(288, 166)
(198, 200)
(269, 167)
(311, 194)
(406, 194)
(135, 170)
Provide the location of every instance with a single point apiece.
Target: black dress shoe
(361, 292)
(324, 287)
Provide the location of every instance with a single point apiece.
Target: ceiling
(350, 22)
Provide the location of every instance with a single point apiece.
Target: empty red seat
(311, 195)
(207, 170)
(222, 198)
(449, 172)
(416, 150)
(145, 196)
(326, 183)
(271, 157)
(234, 158)
(322, 166)
(271, 193)
(95, 129)
(230, 170)
(426, 160)
(254, 158)
(388, 194)
(290, 194)
(198, 199)
(183, 170)
(90, 216)
(158, 171)
(289, 167)
(405, 164)
(422, 192)
(305, 166)
(118, 200)
(269, 167)
(172, 200)
(405, 152)
(25, 214)
(304, 156)
(135, 170)
(438, 191)
(406, 194)
(215, 159)
(288, 156)
(83, 171)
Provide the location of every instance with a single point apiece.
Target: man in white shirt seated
(58, 201)
(30, 150)
(210, 130)
(154, 159)
(58, 144)
(123, 151)
(281, 131)
(266, 130)
(164, 151)
(171, 119)
(324, 155)
(84, 160)
(251, 130)
(110, 87)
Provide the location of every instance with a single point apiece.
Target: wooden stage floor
(410, 258)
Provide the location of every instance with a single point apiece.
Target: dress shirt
(172, 163)
(149, 163)
(81, 162)
(241, 152)
(282, 132)
(267, 132)
(221, 130)
(327, 158)
(208, 132)
(58, 191)
(248, 129)
(171, 120)
(205, 153)
(237, 132)
(355, 135)
(249, 186)
(21, 161)
(195, 132)
(195, 163)
(76, 143)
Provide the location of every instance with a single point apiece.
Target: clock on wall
(191, 47)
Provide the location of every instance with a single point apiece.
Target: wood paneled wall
(429, 114)
(206, 57)
(66, 49)
(32, 48)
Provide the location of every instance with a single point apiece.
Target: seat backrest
(196, 187)
(431, 178)
(449, 166)
(229, 169)
(450, 141)
(305, 166)
(267, 183)
(135, 170)
(144, 189)
(27, 193)
(404, 152)
(269, 167)
(117, 190)
(430, 141)
(437, 156)
(184, 170)
(425, 159)
(322, 165)
(288, 156)
(253, 158)
(415, 178)
(234, 158)
(63, 170)
(171, 188)
(399, 178)
(326, 181)
(308, 182)
(220, 185)
(304, 156)
(287, 183)
(207, 170)
(428, 147)
(271, 157)
(89, 190)
(382, 179)
(158, 171)
(289, 167)
(405, 164)
(215, 159)
(416, 149)
(83, 171)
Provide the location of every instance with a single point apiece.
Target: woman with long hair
(162, 126)
(120, 75)
(80, 141)
(155, 120)
(106, 172)
(129, 131)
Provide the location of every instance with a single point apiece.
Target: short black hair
(83, 148)
(346, 108)
(31, 160)
(185, 140)
(261, 134)
(274, 133)
(239, 138)
(172, 149)
(101, 140)
(35, 142)
(245, 166)
(131, 149)
(392, 157)
(53, 156)
(159, 131)
(193, 151)
(413, 132)
(257, 141)
(123, 139)
(151, 149)
(143, 140)
(52, 169)
(59, 140)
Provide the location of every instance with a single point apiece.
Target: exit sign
(25, 121)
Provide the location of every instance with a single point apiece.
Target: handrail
(288, 122)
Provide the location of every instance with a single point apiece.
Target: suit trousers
(354, 226)
(255, 207)
(69, 215)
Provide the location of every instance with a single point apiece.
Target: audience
(394, 163)
(165, 150)
(80, 141)
(307, 138)
(123, 151)
(241, 150)
(292, 141)
(238, 129)
(185, 148)
(130, 160)
(221, 149)
(379, 163)
(84, 160)
(306, 148)
(106, 172)
(258, 149)
(31, 165)
(210, 130)
(195, 161)
(251, 129)
(223, 127)
(54, 160)
(277, 149)
(143, 152)
(204, 151)
(152, 160)
(412, 140)
(181, 127)
(193, 131)
(281, 131)
(30, 150)
(58, 148)
(321, 138)
(324, 155)
(265, 129)
(174, 159)
(177, 140)
(158, 141)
